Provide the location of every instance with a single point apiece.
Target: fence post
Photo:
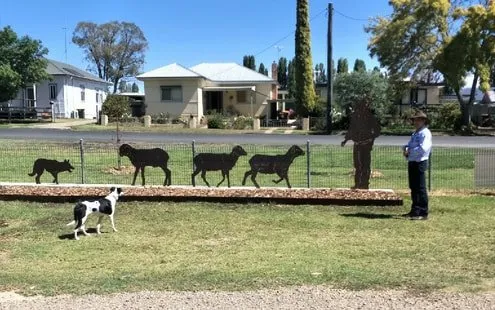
(308, 164)
(81, 151)
(193, 146)
(429, 172)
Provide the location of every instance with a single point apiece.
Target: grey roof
(230, 72)
(170, 71)
(217, 72)
(59, 68)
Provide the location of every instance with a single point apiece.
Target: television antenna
(279, 48)
(65, 43)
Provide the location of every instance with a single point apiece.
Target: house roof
(171, 71)
(217, 72)
(59, 68)
(230, 72)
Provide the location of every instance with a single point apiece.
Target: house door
(214, 101)
(29, 99)
(273, 110)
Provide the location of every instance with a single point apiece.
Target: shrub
(216, 121)
(116, 106)
(242, 122)
(449, 117)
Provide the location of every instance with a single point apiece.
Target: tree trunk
(467, 105)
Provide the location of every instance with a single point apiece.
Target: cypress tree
(305, 95)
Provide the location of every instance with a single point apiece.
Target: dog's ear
(112, 189)
(119, 190)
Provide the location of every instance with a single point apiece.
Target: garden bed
(314, 196)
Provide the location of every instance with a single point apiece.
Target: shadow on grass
(371, 216)
(71, 235)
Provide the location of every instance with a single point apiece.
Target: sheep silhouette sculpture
(223, 162)
(140, 158)
(273, 164)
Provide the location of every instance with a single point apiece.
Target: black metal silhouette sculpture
(213, 162)
(52, 166)
(270, 164)
(363, 130)
(140, 158)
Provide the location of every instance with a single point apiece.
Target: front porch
(235, 100)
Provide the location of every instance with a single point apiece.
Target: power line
(355, 18)
(350, 17)
(289, 34)
(280, 40)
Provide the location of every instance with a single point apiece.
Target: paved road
(106, 136)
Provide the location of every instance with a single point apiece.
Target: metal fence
(327, 166)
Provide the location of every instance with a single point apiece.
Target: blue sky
(191, 32)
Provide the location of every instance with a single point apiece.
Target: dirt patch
(375, 174)
(122, 171)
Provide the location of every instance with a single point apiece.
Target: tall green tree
(454, 38)
(350, 89)
(249, 61)
(22, 63)
(342, 66)
(282, 72)
(122, 86)
(359, 65)
(135, 88)
(115, 49)
(262, 69)
(320, 74)
(291, 78)
(305, 94)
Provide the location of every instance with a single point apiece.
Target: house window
(171, 93)
(53, 91)
(83, 93)
(418, 96)
(241, 96)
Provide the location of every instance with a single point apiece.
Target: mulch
(319, 196)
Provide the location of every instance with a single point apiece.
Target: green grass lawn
(330, 166)
(203, 246)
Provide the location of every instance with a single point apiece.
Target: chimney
(274, 71)
(275, 78)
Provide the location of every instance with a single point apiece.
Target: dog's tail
(32, 173)
(78, 215)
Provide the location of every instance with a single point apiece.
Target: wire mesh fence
(327, 166)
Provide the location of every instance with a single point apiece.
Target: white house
(70, 89)
(219, 87)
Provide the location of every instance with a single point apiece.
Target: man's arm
(423, 147)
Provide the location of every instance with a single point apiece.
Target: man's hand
(406, 152)
(343, 143)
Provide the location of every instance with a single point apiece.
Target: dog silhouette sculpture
(54, 167)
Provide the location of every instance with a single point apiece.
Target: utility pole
(330, 69)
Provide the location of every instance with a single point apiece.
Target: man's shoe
(418, 218)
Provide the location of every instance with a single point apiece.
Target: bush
(242, 123)
(449, 117)
(216, 121)
(116, 106)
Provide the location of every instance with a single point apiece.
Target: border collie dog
(103, 206)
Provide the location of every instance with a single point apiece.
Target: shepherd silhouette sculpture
(363, 130)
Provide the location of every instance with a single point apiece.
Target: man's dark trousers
(417, 184)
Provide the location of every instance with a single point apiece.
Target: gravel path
(286, 298)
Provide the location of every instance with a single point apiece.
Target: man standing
(363, 130)
(417, 152)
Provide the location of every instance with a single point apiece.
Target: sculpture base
(299, 196)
